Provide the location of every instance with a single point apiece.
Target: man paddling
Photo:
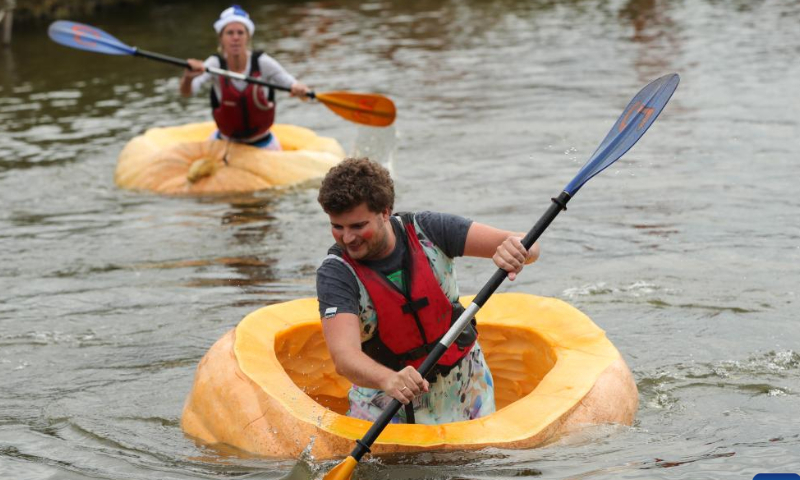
(387, 293)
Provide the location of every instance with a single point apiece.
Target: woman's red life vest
(243, 114)
(410, 324)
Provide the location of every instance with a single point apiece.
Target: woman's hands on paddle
(196, 69)
(511, 255)
(405, 385)
(299, 90)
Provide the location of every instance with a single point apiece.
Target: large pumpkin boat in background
(269, 386)
(181, 160)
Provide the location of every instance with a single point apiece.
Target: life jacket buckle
(414, 306)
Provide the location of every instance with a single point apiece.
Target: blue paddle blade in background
(640, 113)
(85, 37)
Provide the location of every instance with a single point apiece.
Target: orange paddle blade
(365, 108)
(343, 471)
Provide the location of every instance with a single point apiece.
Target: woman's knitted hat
(234, 13)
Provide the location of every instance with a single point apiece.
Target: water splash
(379, 144)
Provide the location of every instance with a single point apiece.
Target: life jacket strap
(419, 352)
(413, 306)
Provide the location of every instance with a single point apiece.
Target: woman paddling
(243, 112)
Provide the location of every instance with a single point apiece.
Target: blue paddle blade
(85, 37)
(629, 128)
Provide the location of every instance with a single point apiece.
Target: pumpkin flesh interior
(518, 358)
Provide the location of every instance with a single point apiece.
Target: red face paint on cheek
(367, 235)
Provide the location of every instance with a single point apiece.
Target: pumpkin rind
(165, 160)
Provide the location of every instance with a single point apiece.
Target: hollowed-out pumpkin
(182, 160)
(269, 386)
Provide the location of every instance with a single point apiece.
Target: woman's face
(234, 38)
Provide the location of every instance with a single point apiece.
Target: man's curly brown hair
(355, 181)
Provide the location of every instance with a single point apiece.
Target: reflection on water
(252, 219)
(110, 298)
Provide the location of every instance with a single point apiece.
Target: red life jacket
(243, 114)
(409, 325)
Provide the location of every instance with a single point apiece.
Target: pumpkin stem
(202, 168)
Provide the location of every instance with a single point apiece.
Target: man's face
(364, 235)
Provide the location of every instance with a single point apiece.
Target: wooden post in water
(7, 16)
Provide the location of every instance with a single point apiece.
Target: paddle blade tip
(86, 37)
(635, 120)
(343, 471)
(365, 108)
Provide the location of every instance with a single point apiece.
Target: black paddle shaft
(183, 63)
(559, 203)
(362, 445)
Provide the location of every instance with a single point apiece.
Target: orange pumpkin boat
(269, 386)
(181, 160)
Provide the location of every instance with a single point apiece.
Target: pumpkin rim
(581, 348)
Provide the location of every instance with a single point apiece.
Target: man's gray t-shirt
(337, 286)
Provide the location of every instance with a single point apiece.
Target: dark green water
(686, 251)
